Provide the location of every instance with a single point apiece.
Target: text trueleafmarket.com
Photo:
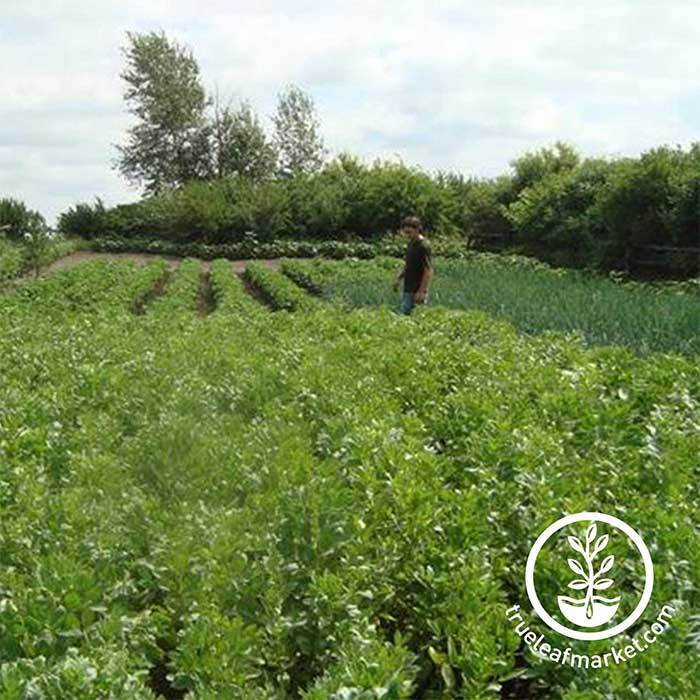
(640, 643)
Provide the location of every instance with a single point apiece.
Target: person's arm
(399, 277)
(424, 283)
(426, 277)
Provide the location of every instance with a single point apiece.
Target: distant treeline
(591, 212)
(554, 204)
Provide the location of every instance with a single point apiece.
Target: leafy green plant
(37, 244)
(16, 219)
(83, 220)
(277, 290)
(10, 259)
(263, 505)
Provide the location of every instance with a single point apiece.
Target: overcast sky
(462, 85)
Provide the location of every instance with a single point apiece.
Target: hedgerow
(251, 248)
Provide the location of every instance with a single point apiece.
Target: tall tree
(297, 134)
(239, 144)
(170, 142)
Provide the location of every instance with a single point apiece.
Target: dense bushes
(346, 199)
(555, 212)
(610, 209)
(16, 220)
(486, 210)
(554, 204)
(84, 220)
(651, 200)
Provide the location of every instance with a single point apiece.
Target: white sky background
(457, 85)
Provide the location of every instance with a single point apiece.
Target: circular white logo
(593, 601)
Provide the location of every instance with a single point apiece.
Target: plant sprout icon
(592, 610)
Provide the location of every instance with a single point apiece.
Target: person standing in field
(417, 271)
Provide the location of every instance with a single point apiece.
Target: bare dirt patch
(239, 265)
(84, 255)
(138, 258)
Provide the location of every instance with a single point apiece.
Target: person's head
(411, 226)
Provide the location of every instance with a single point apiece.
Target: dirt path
(83, 255)
(140, 259)
(239, 265)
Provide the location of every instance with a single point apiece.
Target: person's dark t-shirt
(418, 257)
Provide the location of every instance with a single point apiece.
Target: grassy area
(535, 298)
(318, 504)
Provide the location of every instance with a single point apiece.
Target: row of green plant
(182, 290)
(532, 295)
(276, 289)
(304, 275)
(261, 505)
(252, 247)
(229, 293)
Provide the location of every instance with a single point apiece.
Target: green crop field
(531, 295)
(204, 498)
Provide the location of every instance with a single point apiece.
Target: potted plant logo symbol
(590, 616)
(592, 610)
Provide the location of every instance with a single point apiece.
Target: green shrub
(685, 199)
(485, 210)
(16, 219)
(196, 211)
(345, 199)
(635, 204)
(261, 208)
(83, 220)
(10, 259)
(553, 205)
(554, 214)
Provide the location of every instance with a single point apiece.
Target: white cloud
(460, 86)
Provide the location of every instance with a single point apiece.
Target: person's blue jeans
(407, 302)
